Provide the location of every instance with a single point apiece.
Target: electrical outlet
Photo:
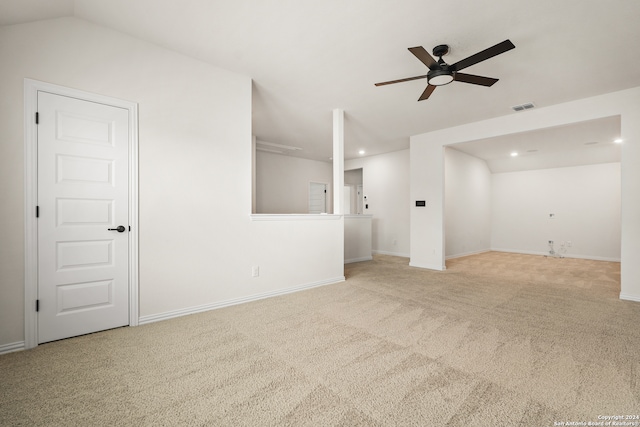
(552, 216)
(569, 243)
(255, 271)
(551, 242)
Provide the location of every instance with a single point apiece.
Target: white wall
(427, 223)
(353, 177)
(510, 211)
(427, 179)
(585, 201)
(282, 182)
(467, 204)
(357, 238)
(385, 180)
(197, 240)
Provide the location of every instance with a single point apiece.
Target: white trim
(31, 89)
(134, 235)
(213, 306)
(467, 254)
(590, 257)
(11, 347)
(628, 297)
(352, 260)
(30, 223)
(400, 254)
(293, 217)
(428, 266)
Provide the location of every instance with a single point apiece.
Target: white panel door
(82, 193)
(317, 198)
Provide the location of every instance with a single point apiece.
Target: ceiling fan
(440, 73)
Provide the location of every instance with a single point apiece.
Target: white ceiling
(588, 142)
(309, 57)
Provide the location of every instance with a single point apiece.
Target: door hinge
(37, 211)
(37, 118)
(129, 228)
(37, 305)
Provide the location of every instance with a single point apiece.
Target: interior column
(338, 161)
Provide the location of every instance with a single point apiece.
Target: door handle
(120, 229)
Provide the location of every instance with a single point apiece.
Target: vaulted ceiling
(309, 57)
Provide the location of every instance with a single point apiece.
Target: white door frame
(31, 88)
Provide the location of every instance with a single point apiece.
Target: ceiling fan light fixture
(440, 73)
(439, 77)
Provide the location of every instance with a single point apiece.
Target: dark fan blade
(476, 80)
(424, 57)
(484, 55)
(402, 80)
(427, 92)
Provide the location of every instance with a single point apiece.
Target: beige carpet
(496, 340)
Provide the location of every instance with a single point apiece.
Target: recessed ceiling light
(532, 151)
(618, 141)
(361, 152)
(591, 143)
(514, 154)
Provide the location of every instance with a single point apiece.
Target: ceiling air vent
(527, 106)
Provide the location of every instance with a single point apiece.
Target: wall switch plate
(255, 271)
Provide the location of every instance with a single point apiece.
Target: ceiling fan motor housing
(440, 50)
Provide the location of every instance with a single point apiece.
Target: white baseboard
(467, 254)
(11, 347)
(206, 307)
(591, 257)
(628, 297)
(437, 267)
(517, 251)
(349, 261)
(403, 255)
